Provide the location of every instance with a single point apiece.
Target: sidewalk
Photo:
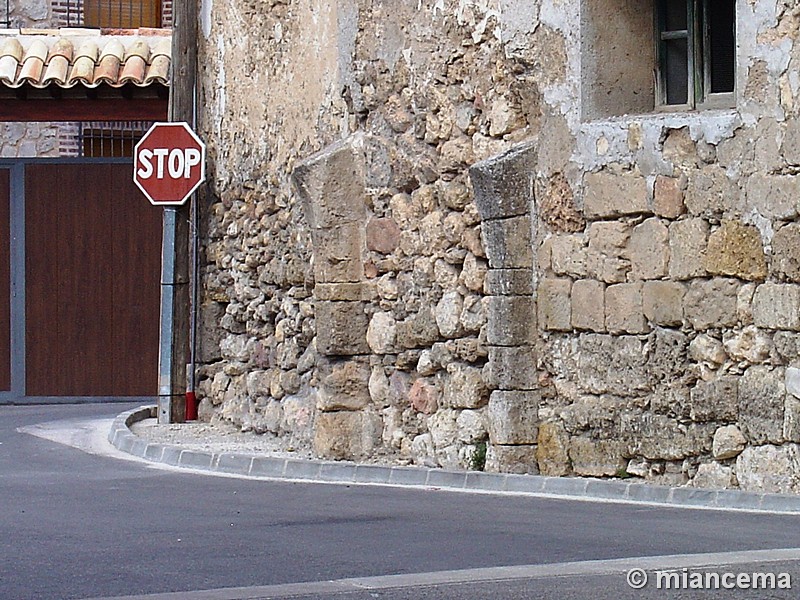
(213, 449)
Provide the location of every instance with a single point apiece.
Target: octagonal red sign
(169, 163)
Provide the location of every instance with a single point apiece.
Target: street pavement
(75, 524)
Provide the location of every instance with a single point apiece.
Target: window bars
(114, 14)
(110, 139)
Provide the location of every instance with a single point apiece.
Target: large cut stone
(346, 435)
(615, 365)
(715, 400)
(331, 184)
(511, 459)
(552, 449)
(511, 368)
(553, 304)
(762, 402)
(509, 282)
(513, 417)
(511, 320)
(504, 184)
(341, 328)
(735, 250)
(624, 312)
(771, 469)
(687, 246)
(662, 302)
(507, 243)
(614, 194)
(588, 305)
(648, 250)
(344, 385)
(337, 253)
(711, 303)
(786, 252)
(596, 458)
(777, 306)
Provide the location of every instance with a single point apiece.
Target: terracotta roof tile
(68, 57)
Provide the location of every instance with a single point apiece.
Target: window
(122, 14)
(696, 47)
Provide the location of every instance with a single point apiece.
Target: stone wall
(422, 245)
(28, 13)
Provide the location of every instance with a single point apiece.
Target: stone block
(612, 365)
(346, 435)
(508, 243)
(773, 196)
(511, 320)
(464, 387)
(762, 404)
(659, 437)
(769, 469)
(610, 194)
(786, 252)
(553, 304)
(552, 449)
(735, 250)
(715, 400)
(707, 349)
(344, 292)
(503, 184)
(337, 254)
(662, 302)
(711, 303)
(711, 192)
(331, 184)
(791, 419)
(513, 417)
(568, 255)
(424, 396)
(511, 368)
(511, 459)
(448, 314)
(382, 235)
(624, 311)
(728, 442)
(648, 250)
(418, 330)
(509, 282)
(606, 257)
(687, 246)
(588, 305)
(596, 458)
(344, 385)
(713, 475)
(777, 306)
(382, 333)
(668, 197)
(341, 328)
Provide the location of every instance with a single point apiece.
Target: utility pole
(175, 254)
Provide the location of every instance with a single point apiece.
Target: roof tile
(40, 58)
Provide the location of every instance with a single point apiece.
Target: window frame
(698, 74)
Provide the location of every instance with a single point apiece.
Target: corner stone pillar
(504, 197)
(331, 185)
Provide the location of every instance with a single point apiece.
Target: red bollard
(191, 406)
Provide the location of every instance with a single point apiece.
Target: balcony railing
(116, 14)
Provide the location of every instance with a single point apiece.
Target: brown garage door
(92, 263)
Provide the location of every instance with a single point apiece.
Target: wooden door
(92, 265)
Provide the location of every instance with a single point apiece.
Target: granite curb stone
(122, 438)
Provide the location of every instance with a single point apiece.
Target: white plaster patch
(205, 17)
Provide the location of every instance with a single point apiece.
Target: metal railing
(116, 14)
(110, 139)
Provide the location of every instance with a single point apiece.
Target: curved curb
(292, 469)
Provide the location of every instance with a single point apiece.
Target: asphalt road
(78, 525)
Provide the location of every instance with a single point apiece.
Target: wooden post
(175, 257)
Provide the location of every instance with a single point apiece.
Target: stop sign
(169, 163)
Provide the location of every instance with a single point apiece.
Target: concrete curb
(292, 469)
